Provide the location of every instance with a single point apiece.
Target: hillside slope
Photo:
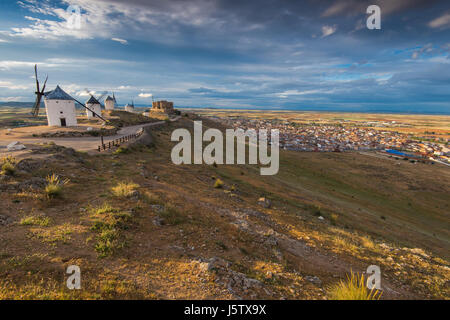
(140, 227)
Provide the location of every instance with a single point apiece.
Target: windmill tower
(109, 103)
(60, 108)
(94, 107)
(130, 107)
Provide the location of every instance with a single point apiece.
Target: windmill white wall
(109, 103)
(61, 113)
(94, 107)
(129, 108)
(60, 108)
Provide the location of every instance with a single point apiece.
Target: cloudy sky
(313, 54)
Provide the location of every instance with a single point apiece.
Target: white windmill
(110, 103)
(59, 105)
(130, 107)
(94, 106)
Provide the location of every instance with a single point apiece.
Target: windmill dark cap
(92, 100)
(58, 94)
(109, 99)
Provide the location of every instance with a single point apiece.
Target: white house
(95, 106)
(60, 108)
(109, 103)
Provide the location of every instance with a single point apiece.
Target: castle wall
(162, 106)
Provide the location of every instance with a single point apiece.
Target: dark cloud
(313, 53)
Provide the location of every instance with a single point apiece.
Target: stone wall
(163, 106)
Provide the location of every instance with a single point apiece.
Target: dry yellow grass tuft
(218, 184)
(8, 166)
(124, 189)
(35, 221)
(54, 186)
(353, 289)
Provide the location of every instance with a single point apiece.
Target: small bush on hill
(353, 289)
(121, 150)
(35, 220)
(8, 166)
(218, 184)
(125, 189)
(54, 186)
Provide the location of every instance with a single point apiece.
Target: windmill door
(63, 122)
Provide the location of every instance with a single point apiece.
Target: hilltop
(140, 227)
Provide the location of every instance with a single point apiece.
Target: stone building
(162, 106)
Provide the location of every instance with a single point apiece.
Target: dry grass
(172, 215)
(218, 184)
(54, 186)
(152, 198)
(60, 233)
(124, 189)
(121, 150)
(366, 242)
(169, 273)
(42, 221)
(8, 166)
(343, 244)
(108, 223)
(353, 289)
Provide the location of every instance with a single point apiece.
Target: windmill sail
(39, 93)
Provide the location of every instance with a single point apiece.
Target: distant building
(60, 108)
(95, 106)
(110, 103)
(163, 106)
(147, 112)
(130, 107)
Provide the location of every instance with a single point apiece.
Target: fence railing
(119, 141)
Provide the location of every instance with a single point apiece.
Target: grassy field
(14, 117)
(140, 227)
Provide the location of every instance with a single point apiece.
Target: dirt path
(77, 143)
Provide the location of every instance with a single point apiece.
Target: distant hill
(17, 104)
